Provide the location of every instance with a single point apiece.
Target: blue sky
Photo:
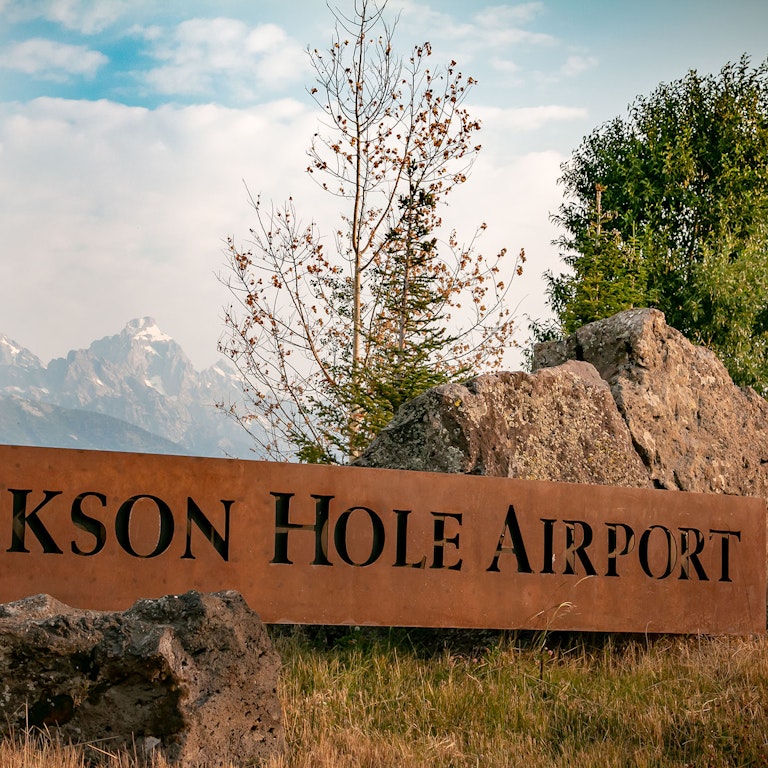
(127, 129)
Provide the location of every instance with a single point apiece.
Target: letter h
(283, 527)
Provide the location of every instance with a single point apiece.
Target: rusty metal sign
(346, 545)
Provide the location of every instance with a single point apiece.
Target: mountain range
(135, 391)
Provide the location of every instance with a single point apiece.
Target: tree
(607, 276)
(668, 208)
(328, 345)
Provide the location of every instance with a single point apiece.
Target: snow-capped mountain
(14, 355)
(140, 377)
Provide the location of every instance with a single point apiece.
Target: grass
(396, 698)
(371, 698)
(34, 749)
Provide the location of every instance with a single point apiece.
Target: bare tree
(313, 334)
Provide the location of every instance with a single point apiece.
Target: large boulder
(558, 424)
(623, 401)
(694, 429)
(192, 676)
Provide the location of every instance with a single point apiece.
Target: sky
(131, 132)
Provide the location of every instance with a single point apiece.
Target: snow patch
(31, 408)
(156, 383)
(146, 329)
(4, 340)
(153, 333)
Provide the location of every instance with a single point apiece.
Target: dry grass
(35, 749)
(30, 749)
(375, 698)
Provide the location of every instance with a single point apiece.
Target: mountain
(19, 368)
(136, 390)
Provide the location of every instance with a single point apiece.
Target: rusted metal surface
(343, 545)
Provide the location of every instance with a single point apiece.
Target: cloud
(506, 66)
(521, 13)
(513, 194)
(522, 119)
(575, 64)
(85, 16)
(490, 27)
(51, 60)
(223, 59)
(514, 191)
(109, 212)
(503, 25)
(500, 36)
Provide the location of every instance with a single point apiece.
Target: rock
(558, 424)
(694, 429)
(192, 676)
(623, 401)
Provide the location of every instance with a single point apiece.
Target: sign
(346, 545)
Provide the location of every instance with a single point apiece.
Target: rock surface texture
(192, 677)
(558, 424)
(623, 401)
(694, 429)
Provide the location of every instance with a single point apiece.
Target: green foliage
(683, 180)
(607, 276)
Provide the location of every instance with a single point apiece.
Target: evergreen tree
(607, 275)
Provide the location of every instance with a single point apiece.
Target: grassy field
(373, 697)
(396, 698)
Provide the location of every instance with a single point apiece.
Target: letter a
(517, 548)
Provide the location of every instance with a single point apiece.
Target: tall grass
(372, 698)
(395, 698)
(36, 749)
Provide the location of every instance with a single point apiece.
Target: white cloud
(265, 38)
(224, 58)
(502, 26)
(86, 16)
(519, 119)
(505, 65)
(576, 64)
(509, 14)
(51, 60)
(514, 191)
(490, 27)
(525, 193)
(110, 212)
